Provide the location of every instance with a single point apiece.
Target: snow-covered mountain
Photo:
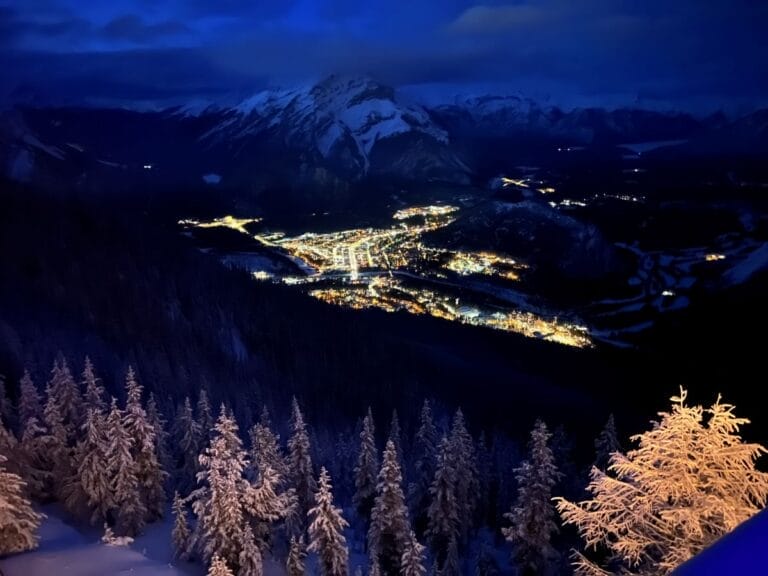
(341, 121)
(331, 134)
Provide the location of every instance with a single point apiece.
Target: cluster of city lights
(376, 268)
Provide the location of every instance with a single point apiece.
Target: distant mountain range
(337, 131)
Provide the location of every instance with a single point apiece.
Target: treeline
(116, 462)
(441, 499)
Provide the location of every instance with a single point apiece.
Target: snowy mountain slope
(340, 120)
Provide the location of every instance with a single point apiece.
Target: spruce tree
(606, 444)
(395, 434)
(95, 395)
(29, 402)
(412, 561)
(187, 438)
(250, 561)
(57, 453)
(66, 394)
(159, 425)
(6, 409)
(265, 448)
(218, 502)
(9, 447)
(389, 527)
(129, 505)
(532, 517)
(465, 467)
(366, 469)
(93, 468)
(424, 466)
(326, 530)
(295, 564)
(219, 567)
(443, 511)
(266, 504)
(18, 521)
(149, 474)
(205, 417)
(33, 459)
(180, 535)
(300, 462)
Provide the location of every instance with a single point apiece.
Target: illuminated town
(393, 269)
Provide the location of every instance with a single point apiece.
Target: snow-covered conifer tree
(57, 453)
(265, 447)
(412, 561)
(396, 435)
(159, 425)
(606, 444)
(67, 396)
(690, 480)
(452, 565)
(33, 459)
(129, 505)
(29, 402)
(205, 417)
(93, 470)
(300, 462)
(6, 408)
(9, 446)
(266, 504)
(326, 530)
(219, 567)
(180, 535)
(218, 502)
(389, 527)
(465, 467)
(18, 521)
(366, 469)
(95, 395)
(424, 465)
(187, 438)
(532, 517)
(295, 564)
(443, 511)
(149, 474)
(250, 559)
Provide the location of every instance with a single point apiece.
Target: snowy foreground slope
(742, 552)
(66, 551)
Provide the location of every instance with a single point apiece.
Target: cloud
(484, 19)
(132, 48)
(132, 28)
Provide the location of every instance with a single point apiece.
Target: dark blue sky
(684, 53)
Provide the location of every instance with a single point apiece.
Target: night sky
(682, 53)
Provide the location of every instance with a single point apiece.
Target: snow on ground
(66, 551)
(751, 265)
(69, 551)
